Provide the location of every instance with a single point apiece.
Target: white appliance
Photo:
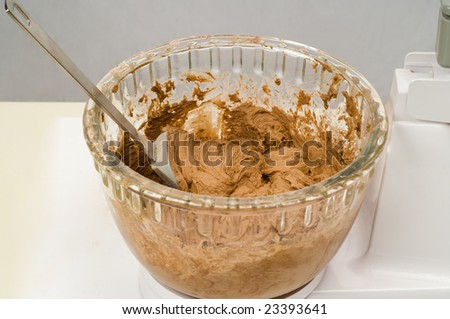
(408, 251)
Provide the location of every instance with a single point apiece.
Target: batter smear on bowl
(238, 145)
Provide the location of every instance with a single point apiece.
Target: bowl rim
(173, 197)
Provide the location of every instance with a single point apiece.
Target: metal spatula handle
(158, 155)
(22, 18)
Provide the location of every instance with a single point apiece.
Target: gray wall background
(371, 35)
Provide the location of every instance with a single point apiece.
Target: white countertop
(57, 236)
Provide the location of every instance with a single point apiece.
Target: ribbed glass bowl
(220, 247)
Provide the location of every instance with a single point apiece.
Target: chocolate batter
(249, 150)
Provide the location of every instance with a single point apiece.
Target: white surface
(428, 94)
(422, 91)
(57, 236)
(371, 35)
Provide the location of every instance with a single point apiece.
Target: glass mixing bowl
(220, 247)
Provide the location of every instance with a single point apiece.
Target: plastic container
(219, 247)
